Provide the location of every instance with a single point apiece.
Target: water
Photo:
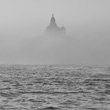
(54, 87)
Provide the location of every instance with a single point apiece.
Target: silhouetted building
(53, 29)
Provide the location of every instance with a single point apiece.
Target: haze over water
(22, 24)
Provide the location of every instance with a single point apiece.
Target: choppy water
(54, 87)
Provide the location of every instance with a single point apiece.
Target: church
(54, 30)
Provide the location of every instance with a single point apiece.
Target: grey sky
(88, 21)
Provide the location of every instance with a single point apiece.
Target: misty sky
(22, 22)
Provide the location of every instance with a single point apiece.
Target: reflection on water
(54, 87)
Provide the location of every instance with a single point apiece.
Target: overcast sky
(87, 23)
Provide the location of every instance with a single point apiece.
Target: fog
(23, 22)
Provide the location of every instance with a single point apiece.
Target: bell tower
(53, 21)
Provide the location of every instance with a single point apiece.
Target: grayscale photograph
(54, 54)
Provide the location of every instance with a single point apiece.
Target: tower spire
(53, 20)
